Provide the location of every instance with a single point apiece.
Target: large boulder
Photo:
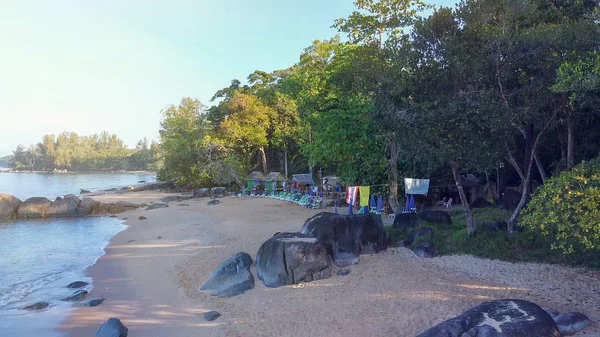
(425, 249)
(347, 236)
(481, 203)
(177, 198)
(8, 206)
(88, 206)
(201, 193)
(231, 277)
(423, 232)
(436, 217)
(405, 221)
(500, 318)
(156, 206)
(63, 207)
(112, 328)
(36, 207)
(76, 296)
(37, 306)
(291, 258)
(218, 192)
(571, 323)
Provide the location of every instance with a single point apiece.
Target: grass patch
(527, 246)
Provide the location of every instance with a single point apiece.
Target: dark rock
(571, 323)
(141, 181)
(481, 203)
(158, 238)
(510, 199)
(201, 193)
(211, 315)
(553, 313)
(291, 258)
(36, 207)
(142, 217)
(113, 216)
(70, 196)
(218, 192)
(214, 202)
(88, 206)
(348, 236)
(142, 205)
(9, 206)
(77, 284)
(127, 188)
(493, 226)
(155, 206)
(112, 328)
(175, 198)
(343, 272)
(76, 296)
(406, 221)
(436, 217)
(182, 205)
(166, 185)
(501, 318)
(423, 232)
(63, 208)
(84, 192)
(231, 278)
(121, 206)
(130, 241)
(111, 190)
(93, 302)
(425, 249)
(37, 306)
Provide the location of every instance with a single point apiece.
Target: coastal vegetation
(503, 90)
(72, 152)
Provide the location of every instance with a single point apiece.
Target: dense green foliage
(501, 89)
(526, 246)
(98, 152)
(567, 208)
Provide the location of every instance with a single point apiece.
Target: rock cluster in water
(68, 206)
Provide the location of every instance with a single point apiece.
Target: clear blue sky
(89, 66)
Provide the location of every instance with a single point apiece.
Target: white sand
(152, 284)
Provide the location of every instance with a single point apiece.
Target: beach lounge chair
(448, 203)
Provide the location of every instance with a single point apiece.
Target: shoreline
(151, 284)
(9, 170)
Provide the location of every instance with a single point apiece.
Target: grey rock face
(571, 323)
(112, 328)
(291, 258)
(231, 278)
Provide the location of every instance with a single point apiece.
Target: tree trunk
(285, 161)
(263, 156)
(463, 199)
(540, 167)
(570, 143)
(394, 175)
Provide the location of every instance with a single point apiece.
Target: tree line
(505, 89)
(72, 152)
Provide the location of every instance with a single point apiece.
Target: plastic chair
(448, 203)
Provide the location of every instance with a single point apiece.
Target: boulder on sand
(291, 258)
(76, 296)
(35, 207)
(112, 328)
(155, 206)
(501, 318)
(436, 217)
(231, 277)
(9, 206)
(405, 221)
(571, 323)
(347, 236)
(425, 249)
(93, 302)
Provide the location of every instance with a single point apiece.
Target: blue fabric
(350, 206)
(372, 203)
(379, 204)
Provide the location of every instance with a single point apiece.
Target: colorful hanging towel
(364, 195)
(352, 194)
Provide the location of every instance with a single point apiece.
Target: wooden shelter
(275, 180)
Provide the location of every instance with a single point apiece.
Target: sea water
(38, 259)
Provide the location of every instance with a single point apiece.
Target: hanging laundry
(364, 195)
(352, 194)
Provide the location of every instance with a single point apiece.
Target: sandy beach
(151, 273)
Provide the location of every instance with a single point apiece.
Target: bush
(567, 209)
